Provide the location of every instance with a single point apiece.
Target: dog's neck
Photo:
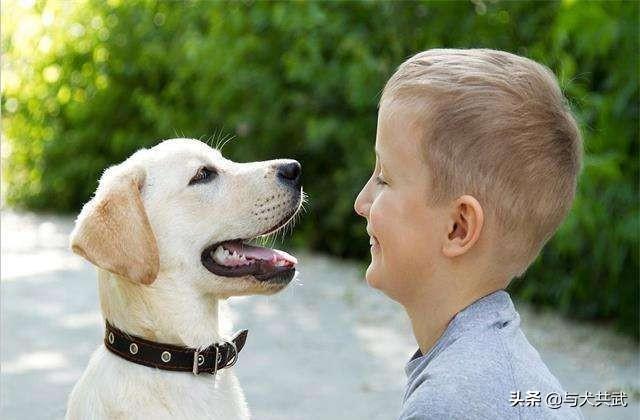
(159, 312)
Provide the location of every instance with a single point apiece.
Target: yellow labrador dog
(168, 231)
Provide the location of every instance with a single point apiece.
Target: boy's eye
(380, 181)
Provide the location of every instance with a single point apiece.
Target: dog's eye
(204, 174)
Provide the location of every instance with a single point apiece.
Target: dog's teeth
(219, 256)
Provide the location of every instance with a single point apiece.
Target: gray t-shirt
(483, 367)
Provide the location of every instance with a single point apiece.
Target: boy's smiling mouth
(373, 241)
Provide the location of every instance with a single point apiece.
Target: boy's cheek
(377, 219)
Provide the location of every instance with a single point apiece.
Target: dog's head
(180, 210)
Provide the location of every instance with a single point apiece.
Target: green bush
(96, 81)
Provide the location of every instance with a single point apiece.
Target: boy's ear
(113, 231)
(465, 225)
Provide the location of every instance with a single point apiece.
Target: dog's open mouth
(236, 258)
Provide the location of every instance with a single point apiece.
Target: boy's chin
(374, 277)
(379, 280)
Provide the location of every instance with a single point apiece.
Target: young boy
(477, 161)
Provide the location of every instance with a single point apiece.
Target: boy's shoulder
(480, 374)
(500, 356)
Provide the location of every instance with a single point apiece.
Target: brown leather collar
(171, 357)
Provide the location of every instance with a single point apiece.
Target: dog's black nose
(289, 173)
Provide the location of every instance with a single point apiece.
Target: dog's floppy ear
(113, 231)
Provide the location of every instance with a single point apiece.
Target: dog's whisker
(210, 141)
(227, 140)
(218, 137)
(215, 137)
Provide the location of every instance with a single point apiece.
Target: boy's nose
(361, 206)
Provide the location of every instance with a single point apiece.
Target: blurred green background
(85, 84)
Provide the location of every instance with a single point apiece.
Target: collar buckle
(198, 360)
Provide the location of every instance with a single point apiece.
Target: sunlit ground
(328, 347)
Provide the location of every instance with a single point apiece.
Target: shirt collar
(493, 308)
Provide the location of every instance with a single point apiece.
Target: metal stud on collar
(111, 338)
(166, 356)
(133, 348)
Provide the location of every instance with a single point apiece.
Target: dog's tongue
(260, 253)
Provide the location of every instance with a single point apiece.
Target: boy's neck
(431, 316)
(429, 322)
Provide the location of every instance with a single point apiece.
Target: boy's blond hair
(496, 126)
